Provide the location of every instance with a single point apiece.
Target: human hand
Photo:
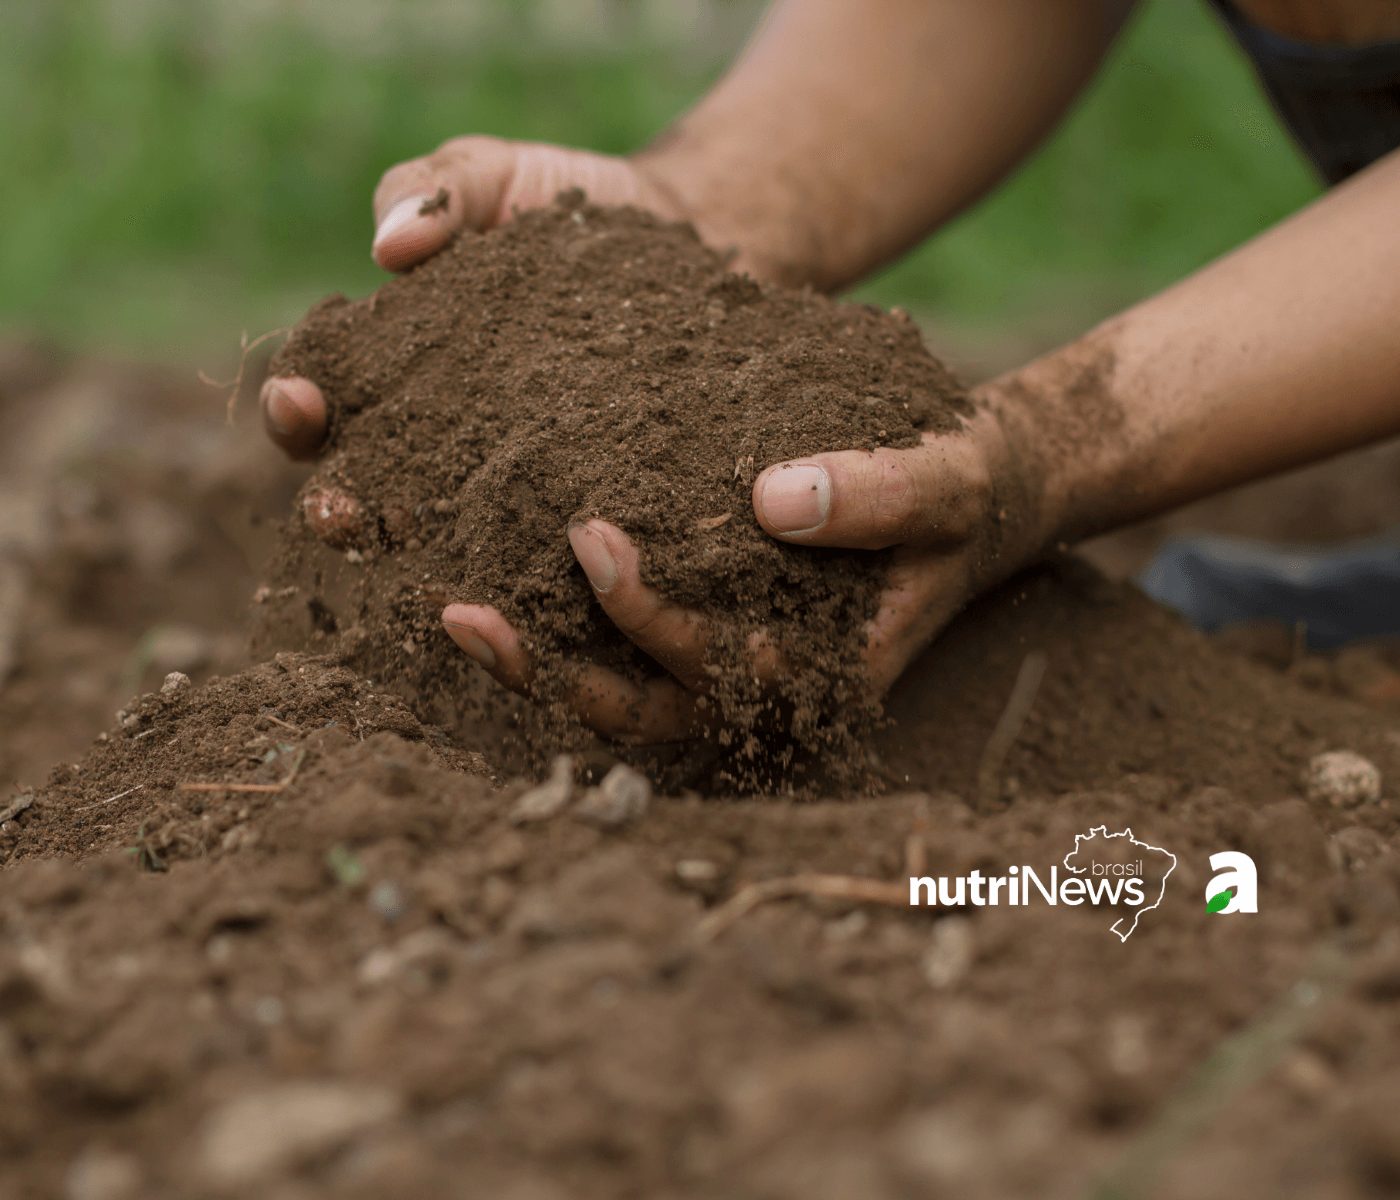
(467, 183)
(936, 505)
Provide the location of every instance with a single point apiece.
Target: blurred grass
(167, 186)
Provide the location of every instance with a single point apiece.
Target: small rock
(387, 899)
(950, 952)
(548, 798)
(264, 1132)
(175, 683)
(696, 872)
(622, 797)
(1342, 778)
(1356, 847)
(98, 1174)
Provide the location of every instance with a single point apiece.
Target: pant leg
(1338, 595)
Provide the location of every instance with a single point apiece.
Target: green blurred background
(175, 171)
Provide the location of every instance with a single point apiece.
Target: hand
(467, 183)
(936, 504)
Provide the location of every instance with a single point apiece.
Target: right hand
(467, 183)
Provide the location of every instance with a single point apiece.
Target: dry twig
(267, 788)
(111, 799)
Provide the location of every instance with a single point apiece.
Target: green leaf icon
(1218, 901)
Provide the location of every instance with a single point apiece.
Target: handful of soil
(590, 362)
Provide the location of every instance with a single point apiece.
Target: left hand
(936, 504)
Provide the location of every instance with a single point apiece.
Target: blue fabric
(1342, 103)
(1338, 595)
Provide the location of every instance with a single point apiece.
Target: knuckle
(462, 146)
(638, 615)
(892, 502)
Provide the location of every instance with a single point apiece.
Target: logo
(1234, 870)
(1098, 857)
(1115, 870)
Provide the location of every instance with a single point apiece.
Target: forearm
(1284, 352)
(848, 131)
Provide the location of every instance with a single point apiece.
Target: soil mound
(587, 362)
(185, 768)
(360, 973)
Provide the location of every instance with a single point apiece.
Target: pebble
(264, 1132)
(548, 798)
(98, 1174)
(696, 872)
(950, 953)
(622, 797)
(175, 683)
(387, 899)
(1343, 779)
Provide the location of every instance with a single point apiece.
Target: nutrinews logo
(1115, 870)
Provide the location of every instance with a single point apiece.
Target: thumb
(421, 203)
(869, 500)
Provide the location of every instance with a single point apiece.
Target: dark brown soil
(343, 967)
(585, 362)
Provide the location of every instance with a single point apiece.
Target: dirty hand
(937, 505)
(467, 183)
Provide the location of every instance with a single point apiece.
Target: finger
(420, 204)
(865, 500)
(674, 636)
(659, 710)
(294, 415)
(919, 598)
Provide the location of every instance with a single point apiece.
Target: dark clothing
(1342, 103)
(1336, 595)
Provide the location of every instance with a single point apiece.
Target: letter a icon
(1233, 870)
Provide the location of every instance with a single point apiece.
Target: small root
(235, 385)
(829, 887)
(855, 888)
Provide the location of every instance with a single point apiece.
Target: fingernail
(472, 644)
(594, 557)
(281, 412)
(405, 211)
(796, 499)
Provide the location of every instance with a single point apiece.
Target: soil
(585, 362)
(277, 933)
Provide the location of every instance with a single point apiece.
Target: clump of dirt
(196, 763)
(587, 362)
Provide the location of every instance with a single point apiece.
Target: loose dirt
(279, 933)
(584, 362)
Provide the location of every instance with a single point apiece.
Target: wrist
(1067, 441)
(737, 207)
(1024, 515)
